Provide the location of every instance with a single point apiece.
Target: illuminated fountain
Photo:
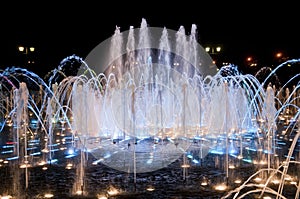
(140, 109)
(27, 125)
(142, 100)
(278, 176)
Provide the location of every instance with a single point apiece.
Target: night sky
(58, 30)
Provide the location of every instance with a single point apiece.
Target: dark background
(61, 29)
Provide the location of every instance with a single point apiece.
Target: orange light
(249, 58)
(278, 55)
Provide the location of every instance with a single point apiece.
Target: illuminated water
(154, 99)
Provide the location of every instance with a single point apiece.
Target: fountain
(142, 101)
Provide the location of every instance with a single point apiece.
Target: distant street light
(280, 57)
(251, 61)
(214, 50)
(27, 51)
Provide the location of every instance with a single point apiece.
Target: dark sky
(62, 29)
